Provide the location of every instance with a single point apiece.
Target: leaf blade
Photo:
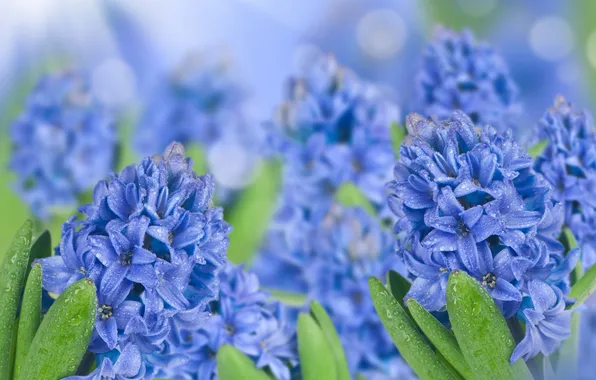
(440, 337)
(481, 331)
(399, 286)
(13, 270)
(404, 333)
(41, 247)
(316, 359)
(29, 319)
(63, 335)
(324, 321)
(584, 287)
(232, 364)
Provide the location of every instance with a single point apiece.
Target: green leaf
(407, 338)
(251, 214)
(399, 287)
(41, 247)
(326, 325)
(63, 335)
(29, 318)
(537, 149)
(12, 278)
(233, 365)
(481, 331)
(288, 298)
(348, 194)
(440, 337)
(584, 287)
(317, 360)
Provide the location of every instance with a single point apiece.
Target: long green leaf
(584, 287)
(316, 358)
(251, 214)
(12, 278)
(481, 330)
(322, 318)
(234, 365)
(411, 343)
(29, 318)
(63, 335)
(440, 337)
(399, 286)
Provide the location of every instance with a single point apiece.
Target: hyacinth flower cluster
(64, 142)
(333, 128)
(468, 199)
(153, 244)
(202, 104)
(459, 73)
(243, 316)
(568, 163)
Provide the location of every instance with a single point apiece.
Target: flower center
(489, 280)
(462, 228)
(105, 312)
(126, 258)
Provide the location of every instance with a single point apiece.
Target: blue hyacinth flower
(242, 316)
(63, 143)
(568, 163)
(467, 198)
(153, 243)
(459, 73)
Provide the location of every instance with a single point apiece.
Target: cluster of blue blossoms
(458, 73)
(201, 104)
(155, 245)
(333, 129)
(63, 143)
(469, 199)
(569, 164)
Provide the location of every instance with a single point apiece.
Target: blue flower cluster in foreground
(64, 142)
(333, 129)
(569, 164)
(458, 73)
(468, 199)
(154, 245)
